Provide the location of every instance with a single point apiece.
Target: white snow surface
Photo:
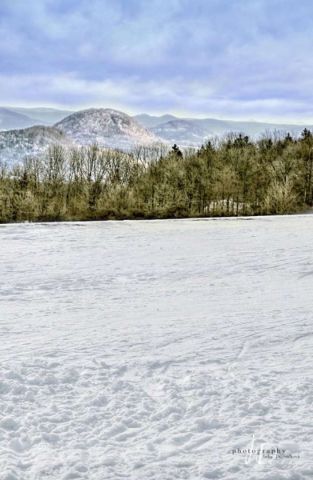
(150, 350)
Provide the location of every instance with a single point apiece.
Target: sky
(237, 59)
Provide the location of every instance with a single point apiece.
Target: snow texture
(15, 145)
(107, 128)
(152, 350)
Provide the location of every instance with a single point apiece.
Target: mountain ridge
(11, 120)
(194, 131)
(112, 128)
(107, 127)
(45, 115)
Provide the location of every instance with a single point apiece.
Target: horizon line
(179, 115)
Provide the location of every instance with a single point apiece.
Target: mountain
(17, 144)
(183, 132)
(194, 131)
(106, 127)
(150, 121)
(253, 129)
(41, 115)
(114, 129)
(11, 120)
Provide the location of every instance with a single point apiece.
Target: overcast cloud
(222, 58)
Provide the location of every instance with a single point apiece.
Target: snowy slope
(17, 144)
(150, 350)
(105, 127)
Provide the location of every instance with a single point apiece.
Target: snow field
(136, 350)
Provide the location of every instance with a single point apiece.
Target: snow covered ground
(154, 350)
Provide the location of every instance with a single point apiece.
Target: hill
(10, 120)
(106, 127)
(17, 144)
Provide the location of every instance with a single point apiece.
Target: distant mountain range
(42, 115)
(30, 131)
(12, 118)
(195, 131)
(150, 121)
(106, 127)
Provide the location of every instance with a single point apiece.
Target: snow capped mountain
(113, 129)
(106, 127)
(17, 144)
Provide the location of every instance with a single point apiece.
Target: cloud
(133, 96)
(221, 57)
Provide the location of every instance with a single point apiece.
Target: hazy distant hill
(150, 121)
(194, 131)
(10, 120)
(183, 132)
(41, 115)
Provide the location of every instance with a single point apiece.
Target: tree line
(225, 177)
